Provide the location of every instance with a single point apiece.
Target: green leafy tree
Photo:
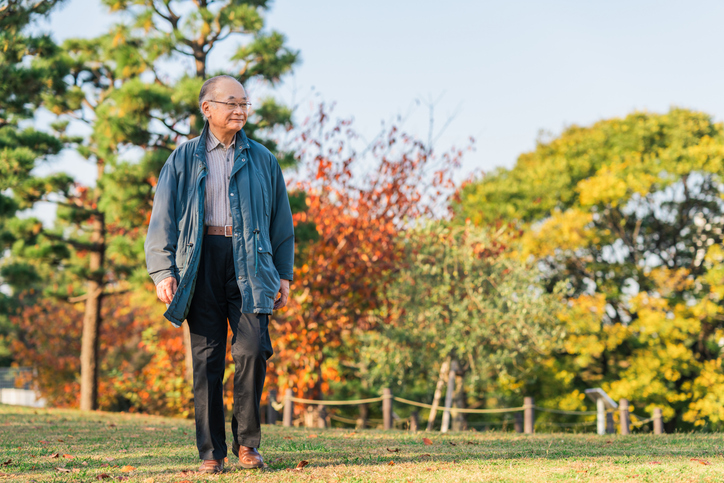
(458, 297)
(629, 213)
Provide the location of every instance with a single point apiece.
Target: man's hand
(284, 291)
(166, 289)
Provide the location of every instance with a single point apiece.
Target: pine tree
(114, 86)
(27, 76)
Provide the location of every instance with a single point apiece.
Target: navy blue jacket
(263, 233)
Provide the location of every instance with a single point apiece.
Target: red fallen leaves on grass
(5, 463)
(452, 444)
(426, 454)
(391, 463)
(109, 458)
(103, 476)
(63, 470)
(350, 434)
(313, 436)
(68, 456)
(54, 455)
(655, 463)
(44, 442)
(300, 466)
(698, 460)
(396, 450)
(427, 441)
(287, 437)
(128, 468)
(471, 442)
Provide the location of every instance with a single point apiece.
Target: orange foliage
(360, 203)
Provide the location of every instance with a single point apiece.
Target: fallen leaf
(396, 450)
(655, 463)
(103, 476)
(301, 465)
(429, 469)
(350, 434)
(109, 458)
(128, 468)
(105, 465)
(54, 455)
(312, 436)
(226, 460)
(427, 441)
(44, 442)
(187, 472)
(63, 470)
(150, 428)
(287, 437)
(68, 456)
(426, 454)
(452, 444)
(85, 463)
(148, 480)
(472, 442)
(391, 463)
(61, 440)
(703, 462)
(5, 463)
(185, 433)
(112, 425)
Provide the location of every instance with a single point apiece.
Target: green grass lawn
(67, 445)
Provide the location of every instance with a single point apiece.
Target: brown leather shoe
(248, 457)
(212, 466)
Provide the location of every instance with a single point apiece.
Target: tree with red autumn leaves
(359, 200)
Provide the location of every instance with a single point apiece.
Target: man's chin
(236, 125)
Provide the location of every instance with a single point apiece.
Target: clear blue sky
(508, 68)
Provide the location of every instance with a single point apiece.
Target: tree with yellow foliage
(629, 213)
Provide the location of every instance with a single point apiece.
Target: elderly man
(220, 247)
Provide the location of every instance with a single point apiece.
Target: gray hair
(208, 88)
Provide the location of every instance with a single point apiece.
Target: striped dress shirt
(220, 160)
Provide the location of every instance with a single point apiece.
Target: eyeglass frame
(246, 105)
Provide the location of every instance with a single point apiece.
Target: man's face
(223, 116)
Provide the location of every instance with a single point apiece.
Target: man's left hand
(284, 291)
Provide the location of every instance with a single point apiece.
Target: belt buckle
(228, 230)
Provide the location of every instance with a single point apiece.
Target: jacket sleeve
(162, 238)
(281, 225)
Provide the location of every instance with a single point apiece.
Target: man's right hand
(166, 289)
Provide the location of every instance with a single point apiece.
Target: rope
(336, 403)
(343, 420)
(563, 411)
(459, 410)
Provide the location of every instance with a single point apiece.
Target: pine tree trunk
(92, 320)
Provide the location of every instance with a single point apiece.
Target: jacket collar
(241, 141)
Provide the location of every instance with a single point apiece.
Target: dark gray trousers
(217, 299)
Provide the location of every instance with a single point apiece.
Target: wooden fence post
(623, 415)
(387, 408)
(528, 415)
(288, 408)
(363, 416)
(658, 421)
(600, 416)
(321, 416)
(518, 422)
(414, 421)
(271, 414)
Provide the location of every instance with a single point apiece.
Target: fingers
(166, 289)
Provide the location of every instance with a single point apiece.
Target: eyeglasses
(232, 106)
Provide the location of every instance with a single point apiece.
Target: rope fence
(524, 424)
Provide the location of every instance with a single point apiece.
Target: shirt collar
(212, 142)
